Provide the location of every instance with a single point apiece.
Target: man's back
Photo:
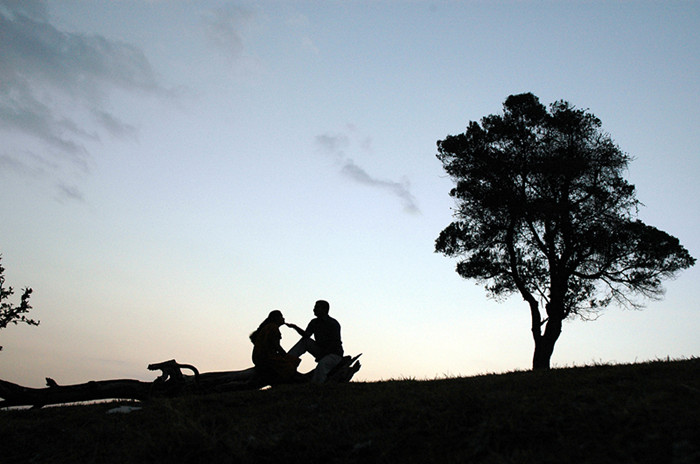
(326, 333)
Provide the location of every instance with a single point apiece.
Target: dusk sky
(171, 171)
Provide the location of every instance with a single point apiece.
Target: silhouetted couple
(321, 339)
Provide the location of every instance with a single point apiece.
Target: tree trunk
(544, 344)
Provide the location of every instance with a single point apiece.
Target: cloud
(69, 192)
(113, 125)
(10, 163)
(299, 25)
(333, 144)
(400, 189)
(223, 28)
(55, 86)
(336, 145)
(29, 8)
(298, 20)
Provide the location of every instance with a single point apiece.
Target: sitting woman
(272, 363)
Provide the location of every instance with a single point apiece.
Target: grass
(639, 413)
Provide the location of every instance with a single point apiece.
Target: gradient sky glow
(172, 171)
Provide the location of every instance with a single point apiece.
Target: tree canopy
(543, 210)
(9, 313)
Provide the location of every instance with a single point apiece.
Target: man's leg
(324, 367)
(304, 345)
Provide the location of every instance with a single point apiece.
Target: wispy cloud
(19, 165)
(113, 125)
(400, 189)
(299, 25)
(55, 85)
(69, 192)
(338, 144)
(223, 28)
(334, 144)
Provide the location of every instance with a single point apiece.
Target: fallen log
(345, 370)
(17, 395)
(171, 382)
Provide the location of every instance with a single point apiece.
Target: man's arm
(304, 333)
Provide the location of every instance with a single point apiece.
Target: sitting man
(326, 346)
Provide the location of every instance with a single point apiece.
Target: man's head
(321, 308)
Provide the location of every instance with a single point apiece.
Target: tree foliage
(10, 314)
(543, 210)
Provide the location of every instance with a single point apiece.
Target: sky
(171, 171)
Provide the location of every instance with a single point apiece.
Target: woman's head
(275, 317)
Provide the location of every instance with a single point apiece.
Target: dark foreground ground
(642, 413)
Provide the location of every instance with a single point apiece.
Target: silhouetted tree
(10, 314)
(542, 209)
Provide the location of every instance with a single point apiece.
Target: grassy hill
(641, 413)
